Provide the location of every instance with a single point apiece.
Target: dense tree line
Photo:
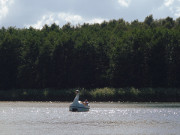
(111, 54)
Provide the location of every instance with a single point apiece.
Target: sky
(37, 13)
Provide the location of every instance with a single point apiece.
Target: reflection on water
(32, 118)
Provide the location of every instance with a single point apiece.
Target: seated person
(86, 102)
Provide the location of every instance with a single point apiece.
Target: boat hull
(74, 108)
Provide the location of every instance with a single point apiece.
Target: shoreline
(97, 95)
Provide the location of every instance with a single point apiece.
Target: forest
(114, 54)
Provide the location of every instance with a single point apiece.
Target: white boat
(78, 106)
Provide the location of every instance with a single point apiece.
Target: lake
(54, 118)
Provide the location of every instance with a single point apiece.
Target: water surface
(53, 118)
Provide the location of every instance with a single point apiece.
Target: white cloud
(4, 7)
(70, 17)
(46, 19)
(124, 3)
(168, 3)
(62, 18)
(168, 8)
(95, 20)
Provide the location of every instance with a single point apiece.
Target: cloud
(169, 8)
(95, 20)
(67, 17)
(168, 3)
(63, 18)
(124, 3)
(4, 7)
(46, 19)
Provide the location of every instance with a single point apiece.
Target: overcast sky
(37, 13)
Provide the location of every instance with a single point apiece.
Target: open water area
(54, 118)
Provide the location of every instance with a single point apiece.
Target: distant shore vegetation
(118, 57)
(94, 95)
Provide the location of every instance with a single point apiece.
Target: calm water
(34, 118)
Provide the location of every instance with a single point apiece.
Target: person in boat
(86, 102)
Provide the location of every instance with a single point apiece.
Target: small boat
(78, 106)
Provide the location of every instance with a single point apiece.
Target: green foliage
(114, 54)
(99, 94)
(103, 94)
